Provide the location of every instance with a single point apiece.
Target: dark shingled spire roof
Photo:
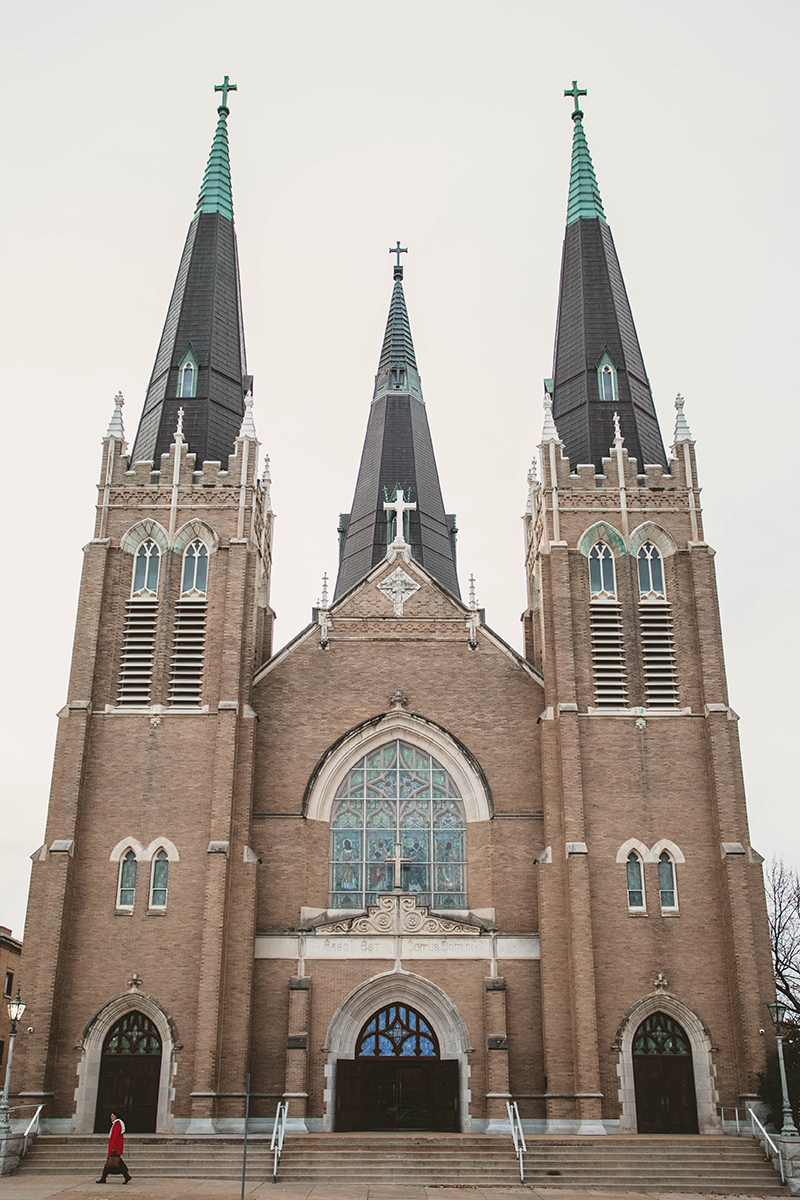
(203, 326)
(398, 452)
(595, 327)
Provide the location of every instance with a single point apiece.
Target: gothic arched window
(187, 380)
(159, 880)
(133, 1034)
(607, 381)
(651, 571)
(397, 1031)
(601, 570)
(666, 881)
(145, 569)
(126, 889)
(398, 796)
(635, 881)
(195, 568)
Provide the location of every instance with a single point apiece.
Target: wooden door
(396, 1094)
(130, 1073)
(663, 1074)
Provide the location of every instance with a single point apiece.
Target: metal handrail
(30, 1131)
(278, 1134)
(736, 1114)
(517, 1136)
(767, 1139)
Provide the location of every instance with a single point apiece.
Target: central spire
(200, 364)
(397, 457)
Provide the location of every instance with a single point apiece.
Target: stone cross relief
(398, 587)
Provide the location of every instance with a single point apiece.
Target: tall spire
(200, 364)
(598, 366)
(398, 455)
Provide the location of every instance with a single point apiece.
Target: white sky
(441, 123)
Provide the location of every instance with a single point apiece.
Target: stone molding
(399, 915)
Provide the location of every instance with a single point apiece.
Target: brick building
(396, 871)
(10, 951)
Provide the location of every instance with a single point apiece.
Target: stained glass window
(398, 794)
(195, 568)
(159, 880)
(397, 1031)
(666, 880)
(601, 570)
(145, 568)
(651, 571)
(659, 1034)
(127, 880)
(133, 1034)
(634, 879)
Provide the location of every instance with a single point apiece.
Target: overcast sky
(441, 123)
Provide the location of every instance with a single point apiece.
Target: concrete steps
(704, 1163)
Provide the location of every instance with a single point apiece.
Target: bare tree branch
(783, 910)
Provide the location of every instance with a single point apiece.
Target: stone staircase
(640, 1163)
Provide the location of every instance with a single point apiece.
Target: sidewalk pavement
(39, 1187)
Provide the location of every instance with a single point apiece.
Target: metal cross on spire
(398, 250)
(225, 87)
(575, 92)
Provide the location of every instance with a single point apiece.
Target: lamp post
(16, 1008)
(777, 1010)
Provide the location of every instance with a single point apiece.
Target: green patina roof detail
(584, 194)
(215, 193)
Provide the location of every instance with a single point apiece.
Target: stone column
(497, 1055)
(297, 1054)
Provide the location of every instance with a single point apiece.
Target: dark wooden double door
(397, 1094)
(130, 1073)
(663, 1073)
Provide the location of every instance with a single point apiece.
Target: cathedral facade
(395, 872)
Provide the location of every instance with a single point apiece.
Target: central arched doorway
(663, 1073)
(397, 1080)
(130, 1070)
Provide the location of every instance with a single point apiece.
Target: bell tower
(650, 895)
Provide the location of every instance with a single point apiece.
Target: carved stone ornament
(398, 587)
(398, 915)
(660, 983)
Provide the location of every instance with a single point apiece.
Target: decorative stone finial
(399, 507)
(682, 431)
(179, 426)
(248, 428)
(549, 433)
(617, 430)
(135, 982)
(399, 700)
(533, 474)
(115, 428)
(473, 600)
(324, 601)
(660, 983)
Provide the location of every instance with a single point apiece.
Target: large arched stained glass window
(398, 795)
(397, 1031)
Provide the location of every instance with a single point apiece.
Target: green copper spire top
(584, 194)
(215, 193)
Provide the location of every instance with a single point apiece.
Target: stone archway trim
(706, 1094)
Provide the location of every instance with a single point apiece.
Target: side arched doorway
(397, 1080)
(663, 1073)
(130, 1070)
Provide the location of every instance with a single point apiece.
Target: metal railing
(278, 1134)
(32, 1130)
(754, 1121)
(517, 1136)
(756, 1131)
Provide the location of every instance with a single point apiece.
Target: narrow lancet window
(651, 571)
(607, 378)
(159, 880)
(187, 380)
(127, 880)
(145, 569)
(195, 569)
(633, 869)
(601, 571)
(666, 881)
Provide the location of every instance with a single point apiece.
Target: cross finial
(225, 87)
(135, 981)
(473, 599)
(575, 92)
(398, 250)
(324, 601)
(399, 507)
(179, 426)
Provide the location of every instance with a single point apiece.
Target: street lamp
(777, 1010)
(16, 1008)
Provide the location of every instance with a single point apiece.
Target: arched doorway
(397, 1080)
(663, 1074)
(130, 1069)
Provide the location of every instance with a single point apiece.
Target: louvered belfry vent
(608, 654)
(658, 653)
(186, 676)
(136, 669)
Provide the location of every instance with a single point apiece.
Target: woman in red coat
(116, 1143)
